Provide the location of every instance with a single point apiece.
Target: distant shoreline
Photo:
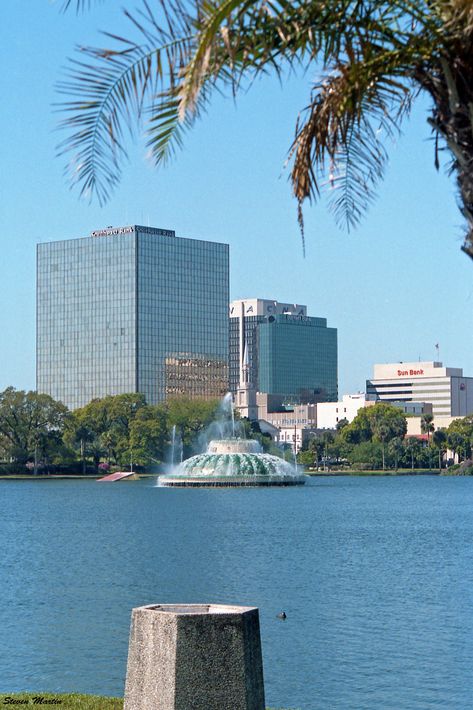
(62, 476)
(314, 474)
(387, 472)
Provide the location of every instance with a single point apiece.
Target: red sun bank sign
(409, 373)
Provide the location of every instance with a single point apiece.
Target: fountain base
(233, 463)
(205, 482)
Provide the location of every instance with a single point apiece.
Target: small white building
(272, 409)
(294, 436)
(330, 413)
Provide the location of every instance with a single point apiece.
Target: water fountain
(233, 461)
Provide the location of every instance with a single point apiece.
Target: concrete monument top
(194, 657)
(184, 609)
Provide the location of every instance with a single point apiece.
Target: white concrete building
(272, 409)
(330, 413)
(294, 436)
(449, 392)
(414, 425)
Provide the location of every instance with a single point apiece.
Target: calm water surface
(375, 575)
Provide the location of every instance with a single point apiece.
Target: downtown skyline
(394, 288)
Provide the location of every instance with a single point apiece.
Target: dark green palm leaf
(112, 90)
(376, 55)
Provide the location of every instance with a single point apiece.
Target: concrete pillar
(194, 657)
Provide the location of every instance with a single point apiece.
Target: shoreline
(312, 474)
(387, 472)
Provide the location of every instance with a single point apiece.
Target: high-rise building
(132, 309)
(281, 350)
(445, 388)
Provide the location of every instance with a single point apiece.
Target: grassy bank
(344, 472)
(61, 476)
(387, 472)
(69, 701)
(46, 477)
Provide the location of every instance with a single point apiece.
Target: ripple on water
(375, 576)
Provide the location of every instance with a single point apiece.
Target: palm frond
(111, 90)
(80, 5)
(373, 54)
(339, 144)
(166, 128)
(252, 35)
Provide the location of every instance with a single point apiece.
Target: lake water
(375, 576)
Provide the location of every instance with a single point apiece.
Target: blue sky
(394, 288)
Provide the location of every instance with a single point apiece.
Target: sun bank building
(132, 309)
(445, 388)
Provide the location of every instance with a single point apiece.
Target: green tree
(460, 436)
(342, 423)
(327, 441)
(311, 451)
(370, 60)
(366, 455)
(359, 429)
(382, 433)
(31, 425)
(381, 422)
(149, 435)
(80, 438)
(427, 425)
(439, 442)
(458, 443)
(395, 450)
(306, 458)
(191, 417)
(102, 427)
(413, 449)
(252, 430)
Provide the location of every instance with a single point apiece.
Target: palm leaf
(371, 53)
(339, 142)
(80, 5)
(111, 90)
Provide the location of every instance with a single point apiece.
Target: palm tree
(413, 449)
(395, 449)
(458, 443)
(427, 425)
(366, 61)
(439, 441)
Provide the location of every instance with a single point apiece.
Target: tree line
(38, 433)
(376, 439)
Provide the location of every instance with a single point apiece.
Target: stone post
(194, 657)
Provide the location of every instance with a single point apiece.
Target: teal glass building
(132, 309)
(287, 352)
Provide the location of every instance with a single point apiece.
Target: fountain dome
(233, 462)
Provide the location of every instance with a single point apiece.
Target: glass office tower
(132, 309)
(287, 352)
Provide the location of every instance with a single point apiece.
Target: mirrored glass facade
(132, 309)
(297, 358)
(288, 353)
